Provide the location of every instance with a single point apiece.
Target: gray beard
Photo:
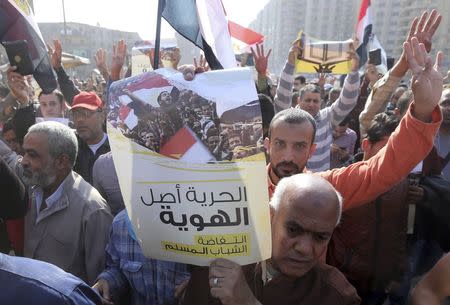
(42, 180)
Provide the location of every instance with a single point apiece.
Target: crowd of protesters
(358, 176)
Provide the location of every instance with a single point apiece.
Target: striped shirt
(326, 119)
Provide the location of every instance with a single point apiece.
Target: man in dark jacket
(88, 118)
(369, 246)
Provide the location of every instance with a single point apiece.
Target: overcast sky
(131, 15)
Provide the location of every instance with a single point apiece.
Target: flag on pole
(363, 31)
(204, 23)
(17, 23)
(243, 38)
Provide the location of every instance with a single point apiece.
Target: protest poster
(323, 56)
(140, 55)
(189, 159)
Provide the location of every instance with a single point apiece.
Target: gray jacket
(72, 233)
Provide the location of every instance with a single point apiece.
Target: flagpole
(158, 35)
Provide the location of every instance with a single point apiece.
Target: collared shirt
(38, 194)
(151, 281)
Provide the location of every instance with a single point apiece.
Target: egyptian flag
(204, 23)
(17, 23)
(243, 38)
(364, 31)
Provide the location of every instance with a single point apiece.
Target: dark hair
(309, 88)
(301, 78)
(267, 110)
(294, 116)
(58, 94)
(382, 125)
(404, 101)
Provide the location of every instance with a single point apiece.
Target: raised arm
(261, 62)
(68, 88)
(349, 93)
(363, 181)
(423, 30)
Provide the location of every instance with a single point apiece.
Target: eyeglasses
(83, 113)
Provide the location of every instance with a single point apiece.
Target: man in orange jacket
(292, 131)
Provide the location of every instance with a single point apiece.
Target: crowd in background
(368, 131)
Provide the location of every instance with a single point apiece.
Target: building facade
(84, 40)
(281, 20)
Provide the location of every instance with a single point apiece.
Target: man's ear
(62, 162)
(312, 150)
(365, 145)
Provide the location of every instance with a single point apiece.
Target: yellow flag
(323, 56)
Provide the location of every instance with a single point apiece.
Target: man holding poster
(304, 211)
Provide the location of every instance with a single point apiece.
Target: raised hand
(18, 85)
(55, 54)
(118, 59)
(202, 65)
(189, 71)
(424, 28)
(295, 51)
(426, 81)
(261, 60)
(100, 61)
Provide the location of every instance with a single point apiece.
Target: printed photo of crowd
(236, 134)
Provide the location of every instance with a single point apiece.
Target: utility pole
(64, 16)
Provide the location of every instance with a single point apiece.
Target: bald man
(304, 211)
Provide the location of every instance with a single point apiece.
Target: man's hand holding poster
(190, 168)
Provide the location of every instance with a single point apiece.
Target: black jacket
(86, 158)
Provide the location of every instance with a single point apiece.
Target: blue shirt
(151, 281)
(26, 281)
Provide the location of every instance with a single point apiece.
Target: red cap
(88, 100)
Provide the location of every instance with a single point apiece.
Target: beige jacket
(72, 233)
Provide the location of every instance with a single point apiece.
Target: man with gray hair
(68, 221)
(304, 211)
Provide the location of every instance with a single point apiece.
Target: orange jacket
(363, 181)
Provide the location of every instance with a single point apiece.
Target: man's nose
(288, 154)
(305, 245)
